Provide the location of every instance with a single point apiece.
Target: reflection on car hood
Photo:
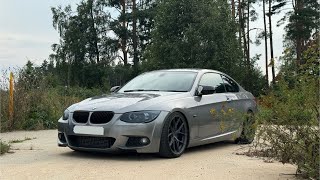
(120, 101)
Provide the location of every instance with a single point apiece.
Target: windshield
(171, 81)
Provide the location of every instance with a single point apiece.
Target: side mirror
(114, 89)
(199, 91)
(205, 90)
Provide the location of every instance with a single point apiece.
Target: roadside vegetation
(20, 140)
(4, 147)
(289, 116)
(150, 35)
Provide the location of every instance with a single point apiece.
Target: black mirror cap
(114, 89)
(204, 90)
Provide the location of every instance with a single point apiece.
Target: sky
(26, 32)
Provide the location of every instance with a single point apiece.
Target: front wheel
(174, 137)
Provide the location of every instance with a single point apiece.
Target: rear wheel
(248, 130)
(174, 137)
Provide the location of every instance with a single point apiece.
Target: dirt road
(40, 158)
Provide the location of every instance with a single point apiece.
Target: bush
(41, 108)
(4, 147)
(289, 119)
(37, 104)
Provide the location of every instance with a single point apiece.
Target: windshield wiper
(174, 91)
(135, 90)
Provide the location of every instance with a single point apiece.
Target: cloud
(21, 40)
(16, 49)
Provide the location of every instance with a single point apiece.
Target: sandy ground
(41, 158)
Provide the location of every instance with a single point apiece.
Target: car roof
(190, 70)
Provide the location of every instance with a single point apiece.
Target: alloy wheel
(177, 134)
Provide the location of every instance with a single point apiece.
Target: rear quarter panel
(246, 102)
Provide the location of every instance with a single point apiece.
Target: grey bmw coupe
(164, 111)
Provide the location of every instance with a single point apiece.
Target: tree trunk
(233, 10)
(265, 42)
(248, 35)
(299, 51)
(95, 34)
(240, 22)
(124, 38)
(299, 39)
(134, 36)
(271, 43)
(243, 33)
(69, 72)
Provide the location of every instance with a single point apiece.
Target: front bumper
(120, 131)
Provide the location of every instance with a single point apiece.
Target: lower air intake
(91, 142)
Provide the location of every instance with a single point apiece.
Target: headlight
(140, 116)
(65, 115)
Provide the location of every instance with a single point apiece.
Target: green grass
(4, 147)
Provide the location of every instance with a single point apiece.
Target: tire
(174, 136)
(248, 130)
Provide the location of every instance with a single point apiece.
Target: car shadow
(210, 147)
(134, 156)
(117, 156)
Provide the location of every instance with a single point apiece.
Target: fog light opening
(62, 137)
(137, 141)
(144, 141)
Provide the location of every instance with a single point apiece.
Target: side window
(213, 80)
(230, 85)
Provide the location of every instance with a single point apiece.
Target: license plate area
(88, 130)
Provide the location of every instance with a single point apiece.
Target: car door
(210, 106)
(233, 109)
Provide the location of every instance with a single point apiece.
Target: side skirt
(232, 135)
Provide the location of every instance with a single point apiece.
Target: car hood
(124, 102)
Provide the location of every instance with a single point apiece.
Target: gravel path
(41, 158)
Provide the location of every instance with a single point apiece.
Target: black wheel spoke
(180, 127)
(182, 133)
(177, 145)
(176, 123)
(171, 142)
(179, 141)
(173, 145)
(171, 130)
